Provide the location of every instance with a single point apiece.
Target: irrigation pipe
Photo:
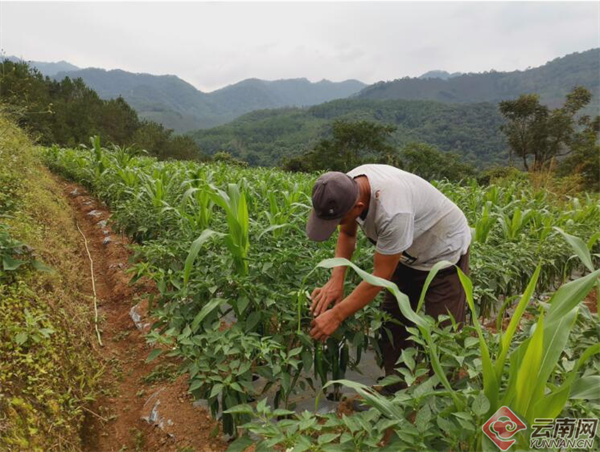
(93, 286)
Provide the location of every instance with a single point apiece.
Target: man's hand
(325, 325)
(322, 297)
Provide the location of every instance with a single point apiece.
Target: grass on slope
(47, 369)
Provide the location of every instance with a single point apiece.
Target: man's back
(407, 214)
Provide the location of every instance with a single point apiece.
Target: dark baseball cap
(333, 196)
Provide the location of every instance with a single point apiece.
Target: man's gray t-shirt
(409, 215)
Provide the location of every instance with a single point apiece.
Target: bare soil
(592, 301)
(114, 421)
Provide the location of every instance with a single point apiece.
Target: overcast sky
(211, 45)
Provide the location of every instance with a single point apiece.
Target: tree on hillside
(68, 112)
(585, 156)
(536, 132)
(349, 145)
(430, 163)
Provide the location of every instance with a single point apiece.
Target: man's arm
(329, 321)
(333, 290)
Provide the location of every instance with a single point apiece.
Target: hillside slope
(49, 370)
(266, 137)
(47, 69)
(178, 105)
(552, 81)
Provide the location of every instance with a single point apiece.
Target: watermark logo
(502, 427)
(563, 433)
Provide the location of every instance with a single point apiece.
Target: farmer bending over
(413, 226)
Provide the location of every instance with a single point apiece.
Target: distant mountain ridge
(178, 105)
(298, 92)
(552, 82)
(458, 113)
(47, 69)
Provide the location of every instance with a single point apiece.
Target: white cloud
(214, 44)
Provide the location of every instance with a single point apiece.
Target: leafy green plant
(583, 251)
(15, 255)
(182, 213)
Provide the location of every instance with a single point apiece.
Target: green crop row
(227, 250)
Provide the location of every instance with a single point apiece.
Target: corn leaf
(587, 388)
(403, 301)
(570, 295)
(206, 309)
(514, 322)
(434, 271)
(491, 383)
(556, 335)
(552, 404)
(580, 248)
(194, 250)
(381, 403)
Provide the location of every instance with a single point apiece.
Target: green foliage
(536, 132)
(419, 158)
(222, 312)
(68, 112)
(449, 417)
(552, 81)
(15, 256)
(431, 164)
(584, 158)
(269, 137)
(351, 143)
(226, 157)
(47, 369)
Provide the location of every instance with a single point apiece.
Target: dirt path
(115, 421)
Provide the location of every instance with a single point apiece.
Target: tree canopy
(539, 135)
(68, 113)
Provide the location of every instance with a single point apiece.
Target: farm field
(226, 248)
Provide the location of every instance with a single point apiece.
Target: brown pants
(445, 295)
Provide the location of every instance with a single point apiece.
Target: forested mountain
(68, 113)
(165, 99)
(255, 94)
(551, 81)
(266, 137)
(47, 69)
(178, 105)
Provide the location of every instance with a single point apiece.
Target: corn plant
(583, 251)
(532, 362)
(513, 225)
(233, 201)
(196, 207)
(155, 188)
(184, 214)
(484, 223)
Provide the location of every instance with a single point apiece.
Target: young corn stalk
(484, 223)
(512, 226)
(532, 363)
(196, 207)
(236, 239)
(583, 251)
(528, 391)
